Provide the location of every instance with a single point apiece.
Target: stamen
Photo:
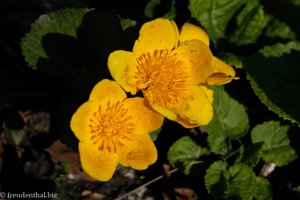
(109, 125)
(162, 77)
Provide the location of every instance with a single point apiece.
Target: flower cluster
(172, 69)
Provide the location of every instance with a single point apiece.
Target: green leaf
(66, 167)
(230, 120)
(65, 21)
(251, 154)
(231, 59)
(242, 182)
(295, 2)
(296, 189)
(171, 14)
(280, 49)
(275, 80)
(214, 15)
(276, 148)
(277, 28)
(218, 142)
(153, 4)
(59, 180)
(235, 182)
(250, 23)
(216, 179)
(127, 23)
(149, 8)
(16, 136)
(154, 134)
(184, 152)
(263, 189)
(84, 57)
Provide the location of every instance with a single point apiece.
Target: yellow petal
(156, 34)
(80, 121)
(122, 66)
(107, 90)
(209, 93)
(190, 32)
(187, 112)
(224, 73)
(173, 116)
(220, 79)
(185, 123)
(199, 57)
(165, 112)
(138, 151)
(222, 67)
(196, 108)
(100, 165)
(177, 33)
(145, 118)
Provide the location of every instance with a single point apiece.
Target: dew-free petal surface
(145, 118)
(156, 34)
(199, 58)
(80, 120)
(100, 165)
(191, 32)
(107, 90)
(139, 151)
(195, 108)
(122, 66)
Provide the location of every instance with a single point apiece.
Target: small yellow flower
(171, 70)
(114, 129)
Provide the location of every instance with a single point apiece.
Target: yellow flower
(114, 129)
(171, 70)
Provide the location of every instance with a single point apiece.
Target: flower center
(162, 77)
(109, 125)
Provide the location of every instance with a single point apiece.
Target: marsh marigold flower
(172, 70)
(114, 129)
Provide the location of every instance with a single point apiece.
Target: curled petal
(107, 90)
(80, 121)
(199, 58)
(223, 73)
(158, 34)
(122, 66)
(99, 164)
(222, 67)
(191, 32)
(145, 118)
(138, 151)
(220, 79)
